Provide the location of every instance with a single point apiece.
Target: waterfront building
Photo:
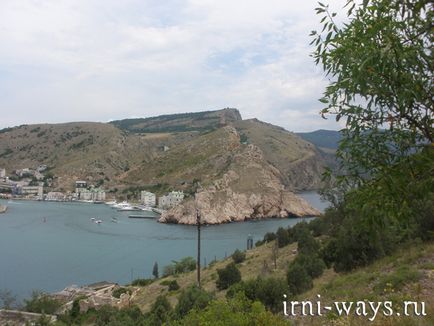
(36, 191)
(2, 173)
(93, 194)
(80, 186)
(55, 196)
(148, 198)
(171, 199)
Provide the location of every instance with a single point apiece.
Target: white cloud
(98, 60)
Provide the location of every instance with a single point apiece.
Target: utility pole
(198, 246)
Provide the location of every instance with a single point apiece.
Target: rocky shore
(251, 189)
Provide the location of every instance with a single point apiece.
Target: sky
(102, 60)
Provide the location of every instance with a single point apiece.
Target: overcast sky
(100, 60)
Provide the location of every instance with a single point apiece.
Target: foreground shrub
(238, 256)
(173, 285)
(160, 312)
(298, 279)
(228, 276)
(238, 311)
(313, 264)
(268, 291)
(191, 298)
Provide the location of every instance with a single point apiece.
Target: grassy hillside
(299, 162)
(188, 147)
(406, 275)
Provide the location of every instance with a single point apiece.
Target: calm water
(48, 246)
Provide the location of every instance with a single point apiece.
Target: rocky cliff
(250, 189)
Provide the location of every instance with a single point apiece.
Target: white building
(55, 196)
(171, 199)
(93, 194)
(2, 173)
(148, 198)
(36, 191)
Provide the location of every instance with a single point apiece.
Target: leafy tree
(381, 68)
(237, 311)
(155, 270)
(307, 243)
(283, 238)
(298, 279)
(238, 256)
(160, 311)
(313, 264)
(228, 276)
(380, 63)
(192, 298)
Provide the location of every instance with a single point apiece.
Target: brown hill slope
(119, 158)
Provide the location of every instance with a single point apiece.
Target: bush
(173, 285)
(268, 291)
(117, 292)
(283, 238)
(269, 236)
(313, 265)
(306, 242)
(234, 311)
(142, 282)
(185, 265)
(192, 298)
(238, 256)
(160, 311)
(298, 279)
(41, 303)
(228, 276)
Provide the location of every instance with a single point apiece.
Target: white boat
(121, 205)
(145, 208)
(128, 208)
(98, 221)
(111, 203)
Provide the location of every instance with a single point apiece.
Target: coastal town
(31, 184)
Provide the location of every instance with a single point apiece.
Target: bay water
(50, 245)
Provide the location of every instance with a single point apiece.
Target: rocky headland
(250, 189)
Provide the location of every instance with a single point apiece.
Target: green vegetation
(186, 264)
(192, 298)
(41, 303)
(117, 292)
(238, 256)
(228, 276)
(142, 282)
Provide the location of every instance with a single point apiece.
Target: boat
(111, 203)
(128, 208)
(92, 218)
(145, 208)
(120, 205)
(98, 221)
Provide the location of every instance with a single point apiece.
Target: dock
(140, 216)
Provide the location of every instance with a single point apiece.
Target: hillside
(404, 275)
(326, 139)
(195, 121)
(158, 153)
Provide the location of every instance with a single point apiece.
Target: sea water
(50, 245)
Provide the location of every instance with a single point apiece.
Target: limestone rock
(250, 189)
